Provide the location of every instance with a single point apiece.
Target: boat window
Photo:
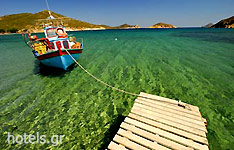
(51, 33)
(58, 44)
(60, 31)
(65, 44)
(52, 45)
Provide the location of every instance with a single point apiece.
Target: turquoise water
(193, 65)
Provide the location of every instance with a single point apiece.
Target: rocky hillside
(162, 25)
(225, 23)
(34, 22)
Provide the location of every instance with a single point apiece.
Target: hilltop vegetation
(225, 23)
(29, 21)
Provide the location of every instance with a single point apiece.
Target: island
(162, 25)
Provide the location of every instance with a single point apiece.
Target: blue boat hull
(60, 59)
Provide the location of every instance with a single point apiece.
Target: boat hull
(60, 59)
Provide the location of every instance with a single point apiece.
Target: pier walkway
(160, 123)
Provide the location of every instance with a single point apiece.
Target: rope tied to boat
(112, 87)
(102, 82)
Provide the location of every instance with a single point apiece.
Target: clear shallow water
(193, 65)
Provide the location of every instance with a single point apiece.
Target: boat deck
(160, 123)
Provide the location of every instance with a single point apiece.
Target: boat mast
(50, 17)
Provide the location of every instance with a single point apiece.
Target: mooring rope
(112, 87)
(102, 82)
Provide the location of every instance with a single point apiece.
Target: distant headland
(225, 23)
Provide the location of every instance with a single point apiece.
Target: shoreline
(102, 29)
(9, 33)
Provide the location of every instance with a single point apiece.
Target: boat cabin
(55, 33)
(57, 37)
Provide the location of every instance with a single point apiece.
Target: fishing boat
(51, 50)
(56, 47)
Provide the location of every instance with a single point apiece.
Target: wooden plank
(168, 128)
(146, 95)
(169, 123)
(142, 141)
(147, 103)
(158, 139)
(169, 114)
(178, 108)
(167, 118)
(114, 146)
(191, 107)
(127, 143)
(167, 135)
(160, 123)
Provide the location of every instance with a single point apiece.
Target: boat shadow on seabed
(44, 70)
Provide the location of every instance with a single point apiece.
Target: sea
(194, 65)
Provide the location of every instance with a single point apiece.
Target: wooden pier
(160, 123)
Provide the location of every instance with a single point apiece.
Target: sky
(182, 13)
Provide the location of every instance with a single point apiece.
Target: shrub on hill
(12, 30)
(2, 30)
